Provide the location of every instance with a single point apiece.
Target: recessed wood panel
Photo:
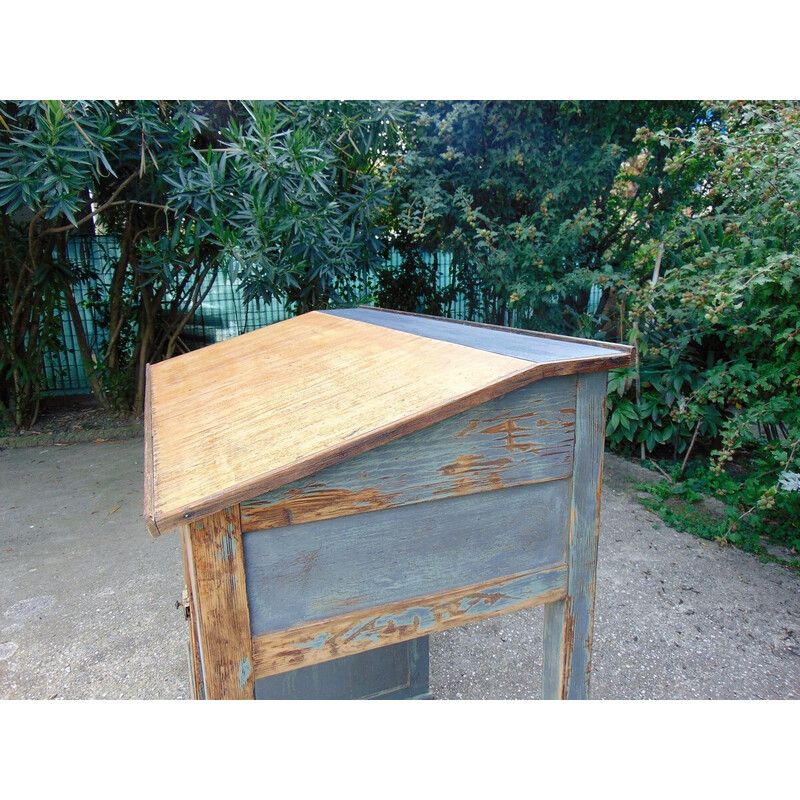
(312, 571)
(361, 631)
(393, 672)
(523, 437)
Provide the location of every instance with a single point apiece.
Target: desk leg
(568, 623)
(215, 563)
(195, 667)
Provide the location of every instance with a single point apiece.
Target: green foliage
(290, 197)
(652, 421)
(719, 330)
(675, 504)
(43, 153)
(294, 195)
(411, 285)
(534, 199)
(748, 521)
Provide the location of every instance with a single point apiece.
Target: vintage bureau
(360, 478)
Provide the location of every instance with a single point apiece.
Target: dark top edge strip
(525, 345)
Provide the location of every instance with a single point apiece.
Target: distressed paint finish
(554, 645)
(246, 416)
(216, 562)
(316, 570)
(415, 519)
(524, 437)
(569, 623)
(360, 631)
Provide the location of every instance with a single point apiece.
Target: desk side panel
(523, 437)
(301, 573)
(361, 631)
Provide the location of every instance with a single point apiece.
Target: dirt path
(87, 599)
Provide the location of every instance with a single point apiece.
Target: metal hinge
(185, 603)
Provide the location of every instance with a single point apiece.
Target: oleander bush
(289, 196)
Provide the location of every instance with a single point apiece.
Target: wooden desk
(352, 479)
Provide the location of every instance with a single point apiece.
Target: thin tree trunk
(117, 306)
(87, 355)
(141, 377)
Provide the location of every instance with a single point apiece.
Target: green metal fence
(222, 315)
(95, 256)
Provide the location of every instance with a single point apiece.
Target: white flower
(790, 481)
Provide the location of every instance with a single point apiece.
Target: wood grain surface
(215, 561)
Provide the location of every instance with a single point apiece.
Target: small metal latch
(184, 601)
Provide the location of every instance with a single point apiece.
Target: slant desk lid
(244, 416)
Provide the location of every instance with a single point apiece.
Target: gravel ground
(675, 618)
(87, 600)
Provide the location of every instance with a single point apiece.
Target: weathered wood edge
(149, 464)
(587, 491)
(253, 519)
(569, 624)
(216, 561)
(193, 643)
(358, 631)
(624, 348)
(168, 520)
(555, 642)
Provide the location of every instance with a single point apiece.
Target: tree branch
(94, 213)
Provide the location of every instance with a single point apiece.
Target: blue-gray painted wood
(311, 571)
(396, 672)
(553, 649)
(503, 342)
(522, 437)
(569, 624)
(500, 596)
(358, 631)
